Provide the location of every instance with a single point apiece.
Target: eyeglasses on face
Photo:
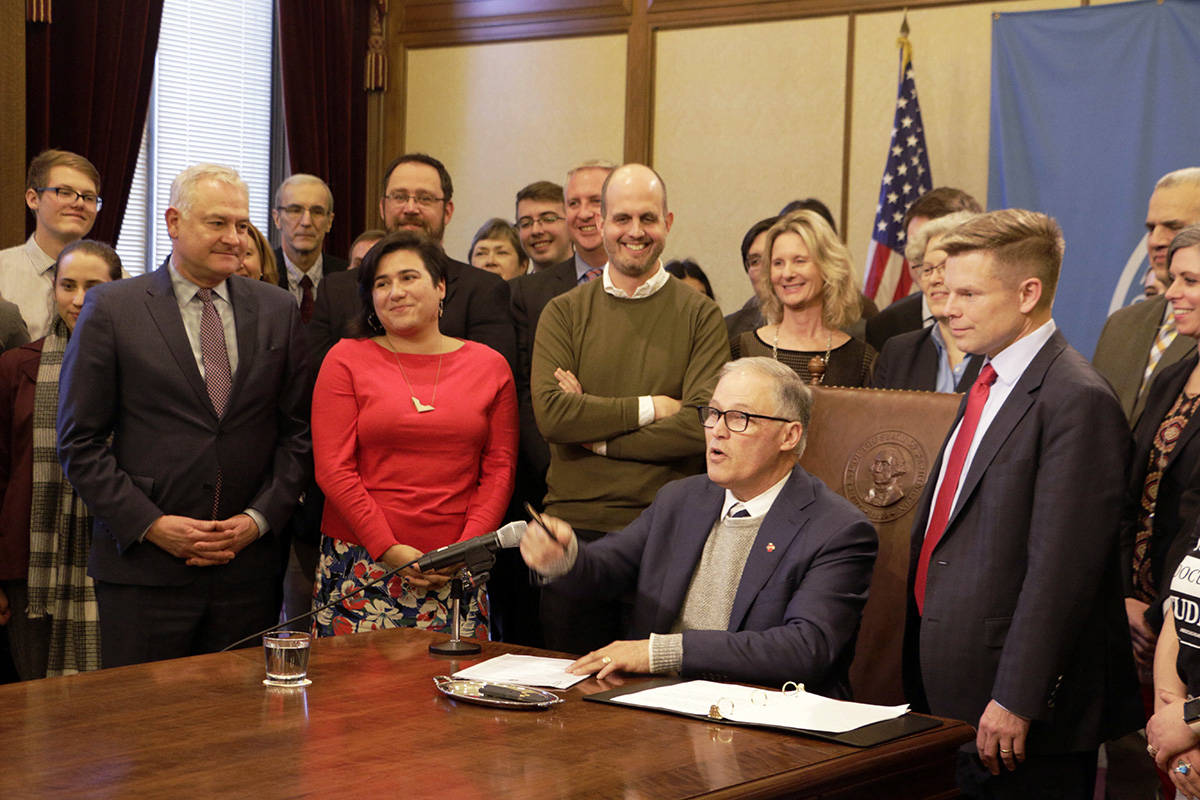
(547, 219)
(69, 195)
(423, 199)
(295, 211)
(736, 421)
(928, 269)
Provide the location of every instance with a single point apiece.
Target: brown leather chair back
(876, 448)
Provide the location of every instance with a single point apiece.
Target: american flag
(905, 178)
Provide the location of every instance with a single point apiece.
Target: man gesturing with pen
(753, 572)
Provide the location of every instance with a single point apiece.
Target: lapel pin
(770, 547)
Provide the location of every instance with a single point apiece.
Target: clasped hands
(399, 554)
(203, 542)
(1174, 745)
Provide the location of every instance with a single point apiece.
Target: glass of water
(287, 658)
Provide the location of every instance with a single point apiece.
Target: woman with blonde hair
(258, 262)
(808, 296)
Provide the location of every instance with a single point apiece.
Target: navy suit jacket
(129, 372)
(475, 308)
(1023, 601)
(330, 265)
(902, 316)
(910, 361)
(798, 606)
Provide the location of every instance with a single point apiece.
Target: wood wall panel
(12, 132)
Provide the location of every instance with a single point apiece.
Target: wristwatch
(1191, 711)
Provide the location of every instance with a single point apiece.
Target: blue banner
(1090, 107)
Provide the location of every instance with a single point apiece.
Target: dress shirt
(581, 267)
(1010, 364)
(947, 376)
(294, 275)
(27, 279)
(758, 505)
(927, 318)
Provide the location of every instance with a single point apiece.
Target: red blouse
(392, 475)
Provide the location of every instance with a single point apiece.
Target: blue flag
(1090, 107)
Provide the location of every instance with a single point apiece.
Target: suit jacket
(747, 318)
(129, 372)
(530, 294)
(902, 316)
(910, 361)
(1022, 599)
(1124, 348)
(798, 606)
(475, 308)
(330, 265)
(1178, 502)
(18, 381)
(13, 332)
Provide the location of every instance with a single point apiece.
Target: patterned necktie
(976, 400)
(218, 378)
(591, 275)
(1166, 335)
(306, 299)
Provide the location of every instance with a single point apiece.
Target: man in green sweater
(618, 364)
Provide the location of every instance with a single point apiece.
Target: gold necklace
(816, 364)
(417, 404)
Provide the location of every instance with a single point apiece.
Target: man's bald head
(634, 176)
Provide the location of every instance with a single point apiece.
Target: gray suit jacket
(1023, 598)
(798, 606)
(129, 373)
(1124, 348)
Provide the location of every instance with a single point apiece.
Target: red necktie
(591, 274)
(306, 299)
(976, 400)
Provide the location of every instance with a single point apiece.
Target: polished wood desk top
(373, 723)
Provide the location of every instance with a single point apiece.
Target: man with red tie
(1015, 621)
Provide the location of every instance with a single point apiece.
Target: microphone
(508, 536)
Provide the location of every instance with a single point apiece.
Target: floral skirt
(343, 567)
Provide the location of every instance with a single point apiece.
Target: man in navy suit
(303, 214)
(183, 424)
(1016, 623)
(754, 572)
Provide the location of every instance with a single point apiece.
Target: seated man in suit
(927, 359)
(1015, 620)
(416, 196)
(754, 572)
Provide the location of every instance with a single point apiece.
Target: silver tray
(470, 691)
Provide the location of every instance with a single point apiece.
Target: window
(210, 102)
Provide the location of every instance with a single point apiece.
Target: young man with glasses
(542, 225)
(303, 213)
(62, 191)
(755, 571)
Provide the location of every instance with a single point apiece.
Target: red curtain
(322, 48)
(88, 76)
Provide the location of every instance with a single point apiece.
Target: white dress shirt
(27, 279)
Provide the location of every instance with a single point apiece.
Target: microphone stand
(472, 576)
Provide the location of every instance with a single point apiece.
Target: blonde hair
(840, 298)
(1023, 244)
(266, 256)
(914, 252)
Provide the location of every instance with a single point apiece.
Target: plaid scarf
(59, 533)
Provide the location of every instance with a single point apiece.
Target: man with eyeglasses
(755, 571)
(303, 214)
(62, 191)
(542, 225)
(417, 192)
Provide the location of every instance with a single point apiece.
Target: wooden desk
(372, 723)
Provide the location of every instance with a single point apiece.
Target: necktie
(218, 378)
(591, 274)
(306, 299)
(738, 511)
(1166, 335)
(954, 467)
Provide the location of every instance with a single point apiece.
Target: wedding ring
(606, 660)
(1183, 768)
(1002, 750)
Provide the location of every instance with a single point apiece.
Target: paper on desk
(526, 670)
(801, 711)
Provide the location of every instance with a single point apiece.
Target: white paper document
(550, 673)
(799, 710)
